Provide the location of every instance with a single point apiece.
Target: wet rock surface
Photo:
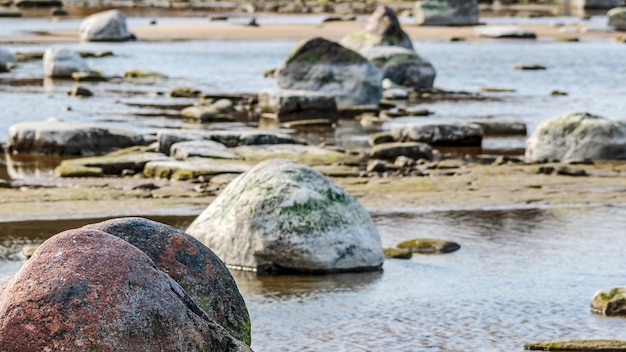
(69, 296)
(192, 265)
(285, 217)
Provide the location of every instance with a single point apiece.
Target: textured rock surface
(54, 137)
(292, 105)
(62, 62)
(382, 29)
(577, 136)
(202, 149)
(192, 265)
(283, 216)
(88, 290)
(402, 66)
(439, 134)
(446, 12)
(609, 301)
(107, 26)
(617, 18)
(324, 66)
(166, 138)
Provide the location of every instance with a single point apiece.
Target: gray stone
(617, 18)
(62, 62)
(595, 4)
(54, 137)
(79, 91)
(577, 136)
(7, 59)
(402, 66)
(193, 168)
(305, 154)
(511, 32)
(446, 12)
(107, 26)
(202, 149)
(293, 105)
(285, 217)
(391, 151)
(324, 66)
(382, 29)
(502, 128)
(439, 134)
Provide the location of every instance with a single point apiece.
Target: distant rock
(54, 137)
(595, 4)
(439, 134)
(285, 217)
(38, 3)
(107, 26)
(324, 66)
(6, 59)
(617, 18)
(6, 13)
(142, 74)
(192, 265)
(79, 91)
(577, 136)
(62, 62)
(402, 66)
(184, 92)
(89, 290)
(382, 29)
(293, 105)
(506, 32)
(446, 12)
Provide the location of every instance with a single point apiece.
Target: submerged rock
(107, 26)
(62, 63)
(446, 12)
(192, 265)
(285, 217)
(609, 301)
(139, 73)
(577, 136)
(54, 137)
(382, 29)
(294, 105)
(429, 246)
(439, 134)
(402, 66)
(617, 18)
(88, 290)
(324, 66)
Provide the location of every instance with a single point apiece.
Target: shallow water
(521, 275)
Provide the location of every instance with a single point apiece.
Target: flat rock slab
(202, 149)
(413, 150)
(167, 138)
(439, 134)
(293, 105)
(510, 32)
(112, 164)
(609, 301)
(193, 168)
(429, 246)
(305, 154)
(579, 345)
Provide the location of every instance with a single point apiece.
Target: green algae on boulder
(192, 265)
(285, 217)
(609, 301)
(324, 66)
(397, 253)
(429, 246)
(578, 345)
(577, 136)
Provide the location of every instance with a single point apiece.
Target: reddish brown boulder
(192, 265)
(86, 290)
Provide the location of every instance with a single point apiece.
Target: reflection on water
(521, 275)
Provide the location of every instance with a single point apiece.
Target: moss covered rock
(286, 217)
(577, 136)
(578, 345)
(324, 66)
(609, 301)
(429, 246)
(139, 73)
(382, 29)
(397, 253)
(305, 154)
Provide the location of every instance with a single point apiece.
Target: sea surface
(521, 275)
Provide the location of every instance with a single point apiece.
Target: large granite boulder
(324, 66)
(617, 18)
(382, 29)
(107, 26)
(192, 265)
(577, 136)
(286, 217)
(87, 290)
(446, 12)
(62, 62)
(595, 4)
(6, 59)
(54, 137)
(402, 66)
(294, 105)
(439, 134)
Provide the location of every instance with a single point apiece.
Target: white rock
(61, 62)
(283, 216)
(504, 32)
(105, 26)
